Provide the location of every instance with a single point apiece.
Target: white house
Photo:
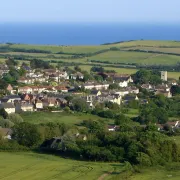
(8, 107)
(96, 86)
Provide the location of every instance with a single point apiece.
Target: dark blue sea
(85, 33)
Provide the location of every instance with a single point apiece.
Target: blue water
(85, 33)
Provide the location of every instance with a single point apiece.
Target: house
(10, 89)
(77, 75)
(174, 83)
(61, 88)
(132, 90)
(8, 107)
(112, 128)
(122, 92)
(11, 98)
(24, 106)
(3, 69)
(27, 97)
(96, 86)
(167, 94)
(39, 104)
(129, 98)
(96, 93)
(174, 124)
(50, 71)
(6, 133)
(122, 79)
(163, 87)
(148, 87)
(110, 98)
(25, 89)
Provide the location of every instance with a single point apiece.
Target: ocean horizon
(85, 33)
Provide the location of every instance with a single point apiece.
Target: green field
(61, 117)
(111, 56)
(31, 166)
(173, 75)
(55, 49)
(148, 43)
(137, 57)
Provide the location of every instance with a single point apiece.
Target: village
(32, 95)
(49, 89)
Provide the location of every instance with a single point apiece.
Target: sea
(86, 33)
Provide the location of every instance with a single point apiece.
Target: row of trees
(137, 146)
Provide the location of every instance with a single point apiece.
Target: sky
(89, 11)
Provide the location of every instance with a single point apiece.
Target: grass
(173, 75)
(61, 117)
(55, 49)
(137, 57)
(148, 43)
(31, 166)
(158, 173)
(159, 49)
(132, 113)
(118, 70)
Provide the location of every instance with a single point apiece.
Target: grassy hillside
(103, 53)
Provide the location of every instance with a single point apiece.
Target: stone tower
(164, 75)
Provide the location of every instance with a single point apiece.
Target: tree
(5, 123)
(77, 68)
(114, 86)
(3, 113)
(97, 69)
(15, 118)
(120, 119)
(80, 105)
(175, 90)
(145, 76)
(26, 134)
(98, 78)
(3, 84)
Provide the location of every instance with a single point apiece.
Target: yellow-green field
(148, 43)
(31, 166)
(55, 49)
(173, 75)
(137, 57)
(111, 56)
(34, 166)
(61, 117)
